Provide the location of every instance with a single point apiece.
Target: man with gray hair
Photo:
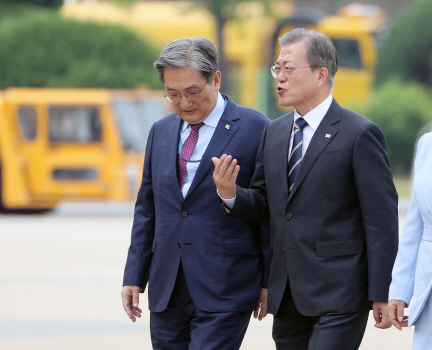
(322, 178)
(206, 271)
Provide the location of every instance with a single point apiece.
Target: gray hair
(320, 51)
(198, 53)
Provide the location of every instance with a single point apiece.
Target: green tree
(42, 3)
(400, 109)
(222, 11)
(45, 50)
(407, 51)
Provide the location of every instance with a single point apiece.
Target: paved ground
(60, 283)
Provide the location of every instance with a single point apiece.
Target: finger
(385, 321)
(218, 164)
(136, 312)
(226, 161)
(376, 315)
(135, 297)
(230, 171)
(235, 173)
(263, 312)
(404, 323)
(400, 313)
(255, 314)
(126, 304)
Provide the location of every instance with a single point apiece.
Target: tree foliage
(407, 52)
(222, 11)
(400, 109)
(42, 3)
(45, 50)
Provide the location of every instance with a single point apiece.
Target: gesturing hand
(225, 175)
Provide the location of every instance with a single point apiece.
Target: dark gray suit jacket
(334, 238)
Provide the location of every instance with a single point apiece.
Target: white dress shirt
(205, 134)
(313, 118)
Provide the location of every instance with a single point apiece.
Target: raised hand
(225, 175)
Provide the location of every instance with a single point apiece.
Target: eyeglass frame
(186, 95)
(286, 70)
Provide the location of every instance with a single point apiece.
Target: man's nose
(281, 77)
(184, 102)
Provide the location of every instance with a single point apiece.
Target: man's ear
(217, 80)
(322, 76)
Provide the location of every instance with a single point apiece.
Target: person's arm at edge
(403, 274)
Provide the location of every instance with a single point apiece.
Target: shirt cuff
(229, 203)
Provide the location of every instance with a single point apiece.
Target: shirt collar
(213, 118)
(316, 115)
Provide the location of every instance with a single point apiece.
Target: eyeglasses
(191, 95)
(287, 70)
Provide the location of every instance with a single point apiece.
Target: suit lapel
(171, 154)
(283, 137)
(220, 139)
(321, 138)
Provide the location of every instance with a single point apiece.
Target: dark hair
(320, 51)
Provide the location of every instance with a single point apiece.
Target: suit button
(184, 213)
(288, 216)
(284, 249)
(179, 244)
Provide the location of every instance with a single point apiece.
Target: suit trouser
(183, 326)
(294, 331)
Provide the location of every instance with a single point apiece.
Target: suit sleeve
(402, 285)
(251, 204)
(378, 204)
(140, 251)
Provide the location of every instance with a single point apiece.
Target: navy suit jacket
(226, 260)
(334, 238)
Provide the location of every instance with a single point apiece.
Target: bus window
(27, 120)
(127, 117)
(348, 53)
(150, 112)
(74, 124)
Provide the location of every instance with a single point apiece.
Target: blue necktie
(296, 152)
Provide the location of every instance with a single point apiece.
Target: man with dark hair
(322, 178)
(206, 271)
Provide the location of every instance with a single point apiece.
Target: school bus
(73, 144)
(251, 43)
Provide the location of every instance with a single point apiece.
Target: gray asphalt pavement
(60, 283)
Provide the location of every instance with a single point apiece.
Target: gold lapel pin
(328, 136)
(227, 126)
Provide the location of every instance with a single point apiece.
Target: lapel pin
(328, 136)
(227, 126)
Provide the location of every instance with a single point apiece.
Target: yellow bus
(251, 43)
(73, 144)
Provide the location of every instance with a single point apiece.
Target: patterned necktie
(186, 151)
(296, 152)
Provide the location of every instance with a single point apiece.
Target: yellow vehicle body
(251, 43)
(74, 144)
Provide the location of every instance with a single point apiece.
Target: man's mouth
(280, 90)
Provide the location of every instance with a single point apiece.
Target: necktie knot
(300, 123)
(196, 127)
